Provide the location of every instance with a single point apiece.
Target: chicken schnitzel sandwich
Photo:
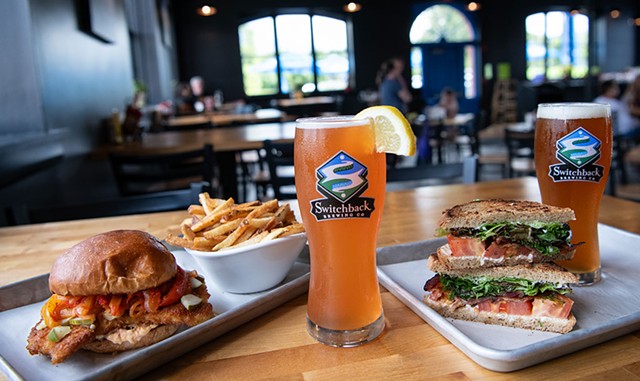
(114, 292)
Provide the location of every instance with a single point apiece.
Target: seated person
(449, 102)
(624, 124)
(632, 101)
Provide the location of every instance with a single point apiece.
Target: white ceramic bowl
(250, 268)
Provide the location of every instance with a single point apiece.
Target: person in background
(632, 101)
(449, 102)
(392, 87)
(184, 99)
(624, 126)
(197, 91)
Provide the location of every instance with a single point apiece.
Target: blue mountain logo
(342, 177)
(578, 148)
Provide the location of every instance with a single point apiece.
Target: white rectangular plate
(606, 310)
(20, 305)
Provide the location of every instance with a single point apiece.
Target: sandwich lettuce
(544, 237)
(469, 287)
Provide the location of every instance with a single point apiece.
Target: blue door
(443, 66)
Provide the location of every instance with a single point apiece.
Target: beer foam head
(567, 111)
(331, 122)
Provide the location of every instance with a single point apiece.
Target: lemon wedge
(393, 131)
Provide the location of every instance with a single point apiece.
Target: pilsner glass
(573, 143)
(340, 182)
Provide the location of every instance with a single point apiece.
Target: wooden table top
(276, 345)
(226, 118)
(223, 139)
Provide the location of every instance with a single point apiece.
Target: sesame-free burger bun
(116, 262)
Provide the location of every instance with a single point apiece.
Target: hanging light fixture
(207, 10)
(352, 7)
(473, 6)
(615, 13)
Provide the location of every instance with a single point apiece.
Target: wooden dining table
(226, 118)
(276, 344)
(226, 141)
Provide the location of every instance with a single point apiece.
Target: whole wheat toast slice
(476, 213)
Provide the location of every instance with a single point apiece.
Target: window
(444, 24)
(557, 46)
(441, 23)
(294, 52)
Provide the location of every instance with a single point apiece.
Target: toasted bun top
(537, 272)
(116, 262)
(476, 213)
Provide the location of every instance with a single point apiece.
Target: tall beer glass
(340, 183)
(573, 155)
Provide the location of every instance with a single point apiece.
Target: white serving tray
(20, 305)
(606, 310)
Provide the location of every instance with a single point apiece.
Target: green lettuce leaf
(544, 237)
(479, 287)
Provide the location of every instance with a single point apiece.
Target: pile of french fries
(218, 224)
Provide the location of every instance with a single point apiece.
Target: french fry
(208, 204)
(196, 209)
(222, 229)
(245, 236)
(218, 224)
(201, 243)
(178, 241)
(256, 238)
(291, 230)
(187, 232)
(233, 237)
(265, 207)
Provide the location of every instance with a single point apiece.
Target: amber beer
(340, 183)
(573, 143)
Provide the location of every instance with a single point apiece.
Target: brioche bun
(116, 262)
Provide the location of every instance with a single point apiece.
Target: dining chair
(465, 172)
(279, 158)
(486, 156)
(520, 152)
(138, 204)
(140, 173)
(253, 172)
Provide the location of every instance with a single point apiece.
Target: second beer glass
(573, 154)
(340, 183)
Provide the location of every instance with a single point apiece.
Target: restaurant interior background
(67, 64)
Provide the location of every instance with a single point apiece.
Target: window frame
(572, 40)
(309, 13)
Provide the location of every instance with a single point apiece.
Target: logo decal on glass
(577, 151)
(579, 148)
(342, 180)
(342, 177)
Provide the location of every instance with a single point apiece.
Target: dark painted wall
(208, 46)
(20, 102)
(81, 78)
(55, 77)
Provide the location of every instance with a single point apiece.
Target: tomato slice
(179, 287)
(465, 246)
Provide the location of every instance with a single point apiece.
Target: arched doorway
(445, 54)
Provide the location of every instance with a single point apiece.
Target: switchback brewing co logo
(578, 151)
(342, 179)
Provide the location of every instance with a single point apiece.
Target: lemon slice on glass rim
(392, 129)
